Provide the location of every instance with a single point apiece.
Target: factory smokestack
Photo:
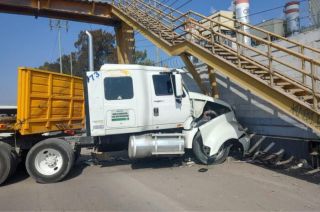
(242, 8)
(291, 10)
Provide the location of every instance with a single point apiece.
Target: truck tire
(5, 164)
(14, 162)
(50, 160)
(203, 157)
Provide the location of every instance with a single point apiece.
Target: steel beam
(185, 58)
(213, 82)
(83, 11)
(125, 43)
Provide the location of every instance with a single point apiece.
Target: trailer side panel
(48, 101)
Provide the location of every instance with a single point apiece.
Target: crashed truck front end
(214, 127)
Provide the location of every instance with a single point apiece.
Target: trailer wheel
(5, 164)
(50, 160)
(202, 154)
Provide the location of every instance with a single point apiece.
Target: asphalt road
(116, 184)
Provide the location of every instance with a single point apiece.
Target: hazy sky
(27, 41)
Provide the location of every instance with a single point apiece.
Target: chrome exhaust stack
(90, 50)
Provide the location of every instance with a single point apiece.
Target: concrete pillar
(125, 43)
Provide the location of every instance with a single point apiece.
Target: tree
(141, 57)
(104, 51)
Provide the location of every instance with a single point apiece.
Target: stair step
(220, 50)
(283, 83)
(250, 67)
(260, 72)
(267, 77)
(232, 58)
(243, 62)
(307, 98)
(297, 91)
(208, 46)
(225, 54)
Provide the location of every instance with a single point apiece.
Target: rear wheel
(202, 153)
(50, 160)
(8, 161)
(5, 165)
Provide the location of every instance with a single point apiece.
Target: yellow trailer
(48, 101)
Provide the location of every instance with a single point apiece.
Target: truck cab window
(162, 85)
(118, 88)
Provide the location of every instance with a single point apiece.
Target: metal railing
(273, 55)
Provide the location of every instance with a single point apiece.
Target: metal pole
(60, 51)
(71, 68)
(158, 55)
(57, 24)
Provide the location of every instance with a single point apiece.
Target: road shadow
(20, 175)
(301, 173)
(121, 158)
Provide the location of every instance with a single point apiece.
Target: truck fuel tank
(150, 145)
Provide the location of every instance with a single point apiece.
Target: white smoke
(213, 10)
(232, 6)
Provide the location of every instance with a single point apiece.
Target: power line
(145, 46)
(59, 24)
(173, 3)
(271, 9)
(260, 12)
(168, 59)
(184, 4)
(141, 40)
(54, 47)
(301, 18)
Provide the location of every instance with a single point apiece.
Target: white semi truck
(144, 109)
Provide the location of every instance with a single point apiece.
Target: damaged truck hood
(202, 97)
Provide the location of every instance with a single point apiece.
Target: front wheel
(202, 153)
(50, 160)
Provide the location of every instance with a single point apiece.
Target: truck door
(119, 101)
(167, 111)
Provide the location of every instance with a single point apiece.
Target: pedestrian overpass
(259, 67)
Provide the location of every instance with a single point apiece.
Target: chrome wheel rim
(48, 161)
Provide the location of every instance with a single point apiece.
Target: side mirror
(178, 88)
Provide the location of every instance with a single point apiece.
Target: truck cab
(151, 110)
(134, 98)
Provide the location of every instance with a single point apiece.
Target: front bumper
(245, 141)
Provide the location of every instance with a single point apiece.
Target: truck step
(167, 153)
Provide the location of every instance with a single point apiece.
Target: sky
(29, 41)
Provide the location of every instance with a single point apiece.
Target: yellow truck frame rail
(48, 101)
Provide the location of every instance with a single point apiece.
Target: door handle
(155, 111)
(158, 101)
